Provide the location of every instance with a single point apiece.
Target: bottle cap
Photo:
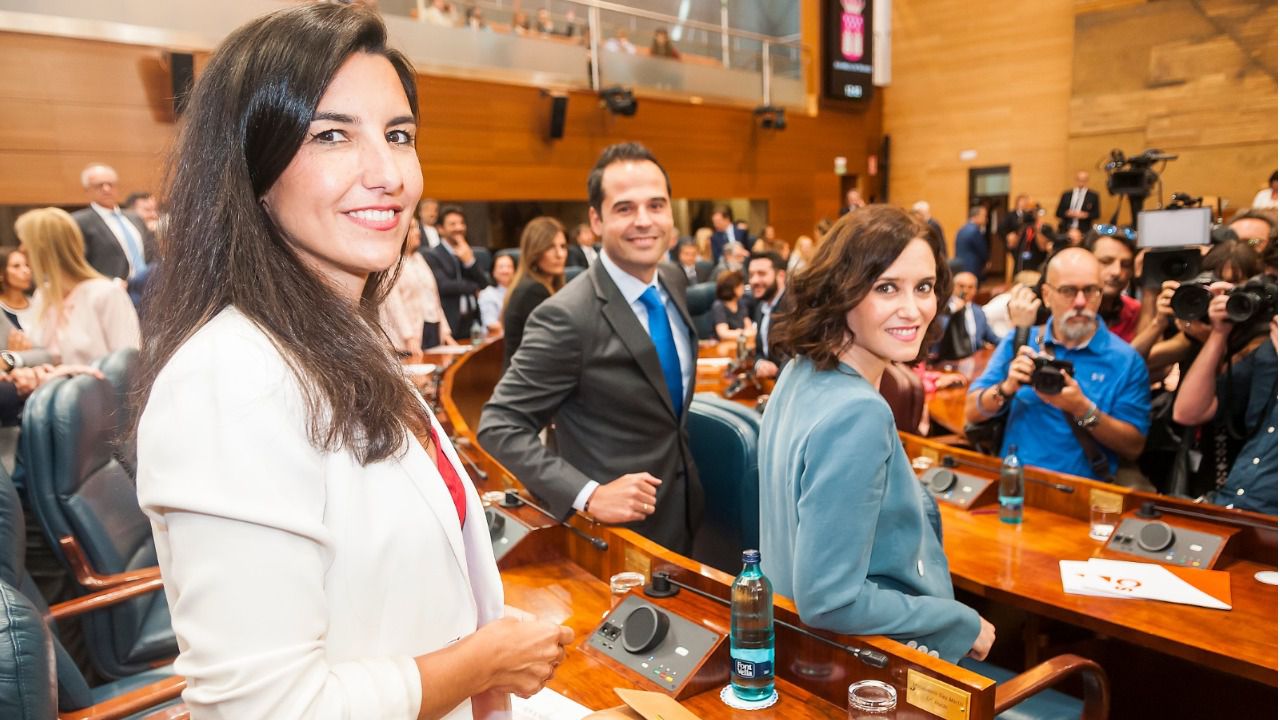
(750, 556)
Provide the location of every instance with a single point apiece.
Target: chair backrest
(904, 392)
(723, 438)
(119, 368)
(704, 267)
(29, 690)
(77, 487)
(700, 298)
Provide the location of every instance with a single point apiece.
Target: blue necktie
(136, 262)
(665, 344)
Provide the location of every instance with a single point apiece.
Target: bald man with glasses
(1101, 414)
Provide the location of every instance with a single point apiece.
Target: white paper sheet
(1123, 579)
(547, 704)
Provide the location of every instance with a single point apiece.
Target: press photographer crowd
(1140, 354)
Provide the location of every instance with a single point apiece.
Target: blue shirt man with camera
(1055, 415)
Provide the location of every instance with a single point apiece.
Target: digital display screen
(847, 50)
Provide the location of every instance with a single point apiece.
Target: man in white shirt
(609, 361)
(117, 243)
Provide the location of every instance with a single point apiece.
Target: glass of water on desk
(1104, 515)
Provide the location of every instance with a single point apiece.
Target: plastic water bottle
(751, 631)
(478, 333)
(1011, 487)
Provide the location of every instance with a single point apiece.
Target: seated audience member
(845, 530)
(411, 314)
(1243, 400)
(997, 308)
(1104, 402)
(83, 315)
(583, 248)
(1266, 197)
(440, 13)
(702, 238)
(802, 254)
(662, 45)
(543, 24)
(729, 312)
(539, 276)
(15, 289)
(279, 446)
(459, 277)
(1115, 251)
(687, 259)
(767, 275)
(494, 297)
(977, 333)
(620, 42)
(733, 257)
(474, 19)
(972, 248)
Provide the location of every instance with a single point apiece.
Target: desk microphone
(950, 461)
(472, 467)
(513, 499)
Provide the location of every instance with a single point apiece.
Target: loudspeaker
(182, 76)
(559, 104)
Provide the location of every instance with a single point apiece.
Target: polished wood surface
(946, 404)
(561, 575)
(1018, 565)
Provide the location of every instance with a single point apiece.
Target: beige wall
(1051, 86)
(992, 77)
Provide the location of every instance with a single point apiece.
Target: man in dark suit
(458, 276)
(583, 249)
(1078, 208)
(117, 243)
(975, 332)
(687, 260)
(725, 232)
(609, 360)
(767, 276)
(973, 250)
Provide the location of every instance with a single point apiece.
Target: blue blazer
(846, 529)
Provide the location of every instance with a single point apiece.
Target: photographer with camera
(1243, 398)
(1082, 400)
(1026, 236)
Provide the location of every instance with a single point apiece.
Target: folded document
(1147, 581)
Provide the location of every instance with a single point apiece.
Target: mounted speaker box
(555, 126)
(182, 75)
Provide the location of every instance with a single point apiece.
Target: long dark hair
(856, 251)
(245, 120)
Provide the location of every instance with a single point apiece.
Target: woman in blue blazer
(846, 529)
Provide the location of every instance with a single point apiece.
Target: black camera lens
(1191, 302)
(1048, 381)
(1242, 304)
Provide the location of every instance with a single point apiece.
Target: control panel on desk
(1166, 542)
(661, 647)
(957, 488)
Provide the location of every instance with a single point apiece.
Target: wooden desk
(1017, 565)
(946, 405)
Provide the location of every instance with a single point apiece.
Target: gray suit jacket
(101, 248)
(587, 365)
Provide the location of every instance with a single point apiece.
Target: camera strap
(1092, 451)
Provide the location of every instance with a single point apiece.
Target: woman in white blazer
(322, 551)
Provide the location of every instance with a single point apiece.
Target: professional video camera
(1133, 177)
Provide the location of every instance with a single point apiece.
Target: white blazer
(301, 584)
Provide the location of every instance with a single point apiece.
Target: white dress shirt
(632, 288)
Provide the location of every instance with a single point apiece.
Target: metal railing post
(724, 33)
(593, 27)
(766, 74)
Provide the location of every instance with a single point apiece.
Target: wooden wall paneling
(985, 76)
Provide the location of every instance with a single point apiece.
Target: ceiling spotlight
(619, 100)
(772, 117)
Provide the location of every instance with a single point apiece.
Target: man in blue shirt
(972, 247)
(1106, 397)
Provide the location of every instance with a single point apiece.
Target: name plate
(936, 697)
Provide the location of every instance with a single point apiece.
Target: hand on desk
(523, 653)
(630, 498)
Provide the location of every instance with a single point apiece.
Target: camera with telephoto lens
(1255, 299)
(1046, 378)
(1190, 302)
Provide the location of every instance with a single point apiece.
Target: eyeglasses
(1068, 292)
(1113, 230)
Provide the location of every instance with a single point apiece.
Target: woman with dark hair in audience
(662, 45)
(846, 529)
(15, 288)
(82, 314)
(543, 251)
(322, 552)
(729, 312)
(412, 315)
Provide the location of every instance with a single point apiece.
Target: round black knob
(643, 629)
(1155, 536)
(939, 480)
(660, 586)
(1148, 510)
(511, 499)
